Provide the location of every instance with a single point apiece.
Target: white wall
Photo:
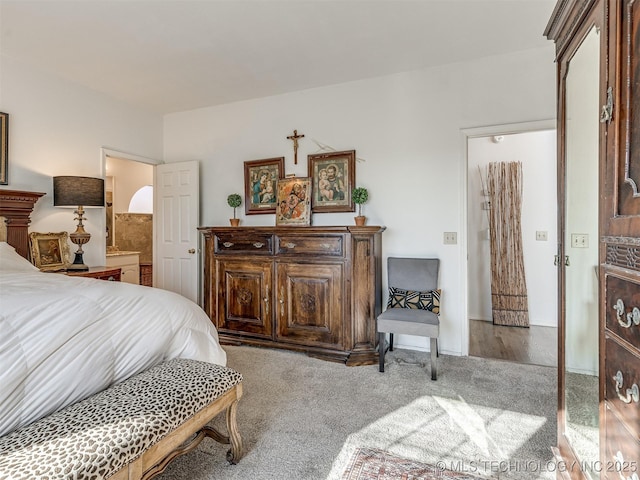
(57, 128)
(537, 152)
(406, 128)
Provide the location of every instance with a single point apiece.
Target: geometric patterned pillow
(400, 298)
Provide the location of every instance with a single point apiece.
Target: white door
(176, 203)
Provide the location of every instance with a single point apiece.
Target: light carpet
(303, 418)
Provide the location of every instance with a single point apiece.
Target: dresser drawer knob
(631, 318)
(632, 393)
(290, 245)
(258, 244)
(228, 244)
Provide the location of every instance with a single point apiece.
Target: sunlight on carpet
(467, 434)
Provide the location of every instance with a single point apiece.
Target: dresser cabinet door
(244, 303)
(309, 304)
(624, 127)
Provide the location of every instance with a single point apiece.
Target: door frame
(475, 132)
(110, 152)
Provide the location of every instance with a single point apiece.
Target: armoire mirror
(580, 240)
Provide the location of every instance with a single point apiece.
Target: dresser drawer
(622, 381)
(326, 245)
(622, 450)
(623, 309)
(253, 243)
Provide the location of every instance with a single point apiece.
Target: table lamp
(78, 192)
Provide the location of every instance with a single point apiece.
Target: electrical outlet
(579, 240)
(450, 238)
(541, 235)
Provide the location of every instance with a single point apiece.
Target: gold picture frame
(260, 177)
(294, 201)
(333, 175)
(50, 251)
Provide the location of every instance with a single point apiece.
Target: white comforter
(64, 338)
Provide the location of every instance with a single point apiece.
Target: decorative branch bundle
(508, 285)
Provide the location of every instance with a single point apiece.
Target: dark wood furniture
(616, 24)
(112, 274)
(310, 289)
(146, 274)
(16, 207)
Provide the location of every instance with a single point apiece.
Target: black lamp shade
(78, 191)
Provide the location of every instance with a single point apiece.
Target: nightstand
(101, 273)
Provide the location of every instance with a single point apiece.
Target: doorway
(129, 181)
(534, 145)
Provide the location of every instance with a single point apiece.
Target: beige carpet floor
(303, 418)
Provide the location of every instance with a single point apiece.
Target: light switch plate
(579, 240)
(450, 238)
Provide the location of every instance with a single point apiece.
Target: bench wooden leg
(235, 452)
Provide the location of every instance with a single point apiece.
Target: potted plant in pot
(234, 200)
(360, 195)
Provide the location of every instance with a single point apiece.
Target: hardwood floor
(534, 345)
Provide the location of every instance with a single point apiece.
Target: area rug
(372, 464)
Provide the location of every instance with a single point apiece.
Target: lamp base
(78, 264)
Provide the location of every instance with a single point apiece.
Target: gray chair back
(419, 274)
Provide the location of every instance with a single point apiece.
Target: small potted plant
(360, 195)
(234, 200)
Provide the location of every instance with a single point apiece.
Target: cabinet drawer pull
(632, 393)
(620, 464)
(258, 244)
(632, 318)
(290, 245)
(281, 300)
(228, 244)
(266, 300)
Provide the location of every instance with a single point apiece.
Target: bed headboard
(16, 207)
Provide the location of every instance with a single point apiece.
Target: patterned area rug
(372, 464)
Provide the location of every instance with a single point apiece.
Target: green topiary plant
(234, 200)
(359, 195)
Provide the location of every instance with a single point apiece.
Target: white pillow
(11, 261)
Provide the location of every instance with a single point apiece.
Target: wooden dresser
(310, 289)
(604, 36)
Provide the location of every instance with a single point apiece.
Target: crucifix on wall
(295, 138)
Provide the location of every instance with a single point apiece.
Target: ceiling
(172, 55)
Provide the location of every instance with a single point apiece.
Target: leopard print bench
(130, 431)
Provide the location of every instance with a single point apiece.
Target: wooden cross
(295, 138)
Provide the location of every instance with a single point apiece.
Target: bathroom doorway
(129, 216)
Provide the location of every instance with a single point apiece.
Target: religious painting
(294, 201)
(50, 251)
(260, 177)
(333, 176)
(4, 148)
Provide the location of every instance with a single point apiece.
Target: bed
(63, 339)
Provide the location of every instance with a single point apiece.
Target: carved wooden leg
(235, 452)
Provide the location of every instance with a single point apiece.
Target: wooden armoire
(598, 62)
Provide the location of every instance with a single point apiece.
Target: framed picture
(4, 148)
(294, 201)
(49, 251)
(260, 177)
(333, 177)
